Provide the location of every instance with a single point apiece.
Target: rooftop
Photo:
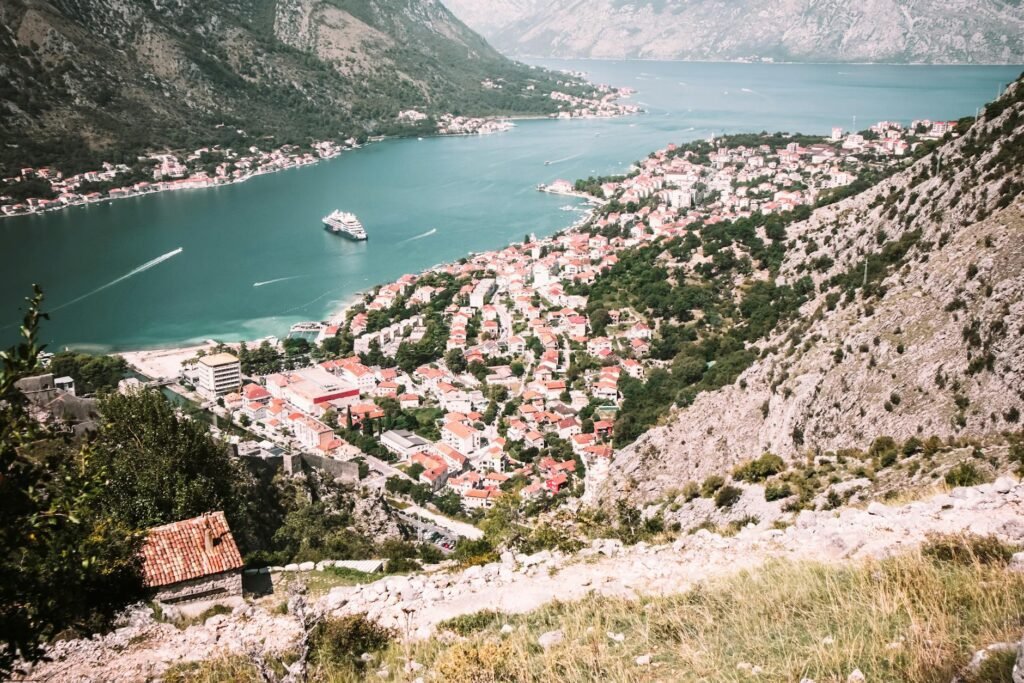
(189, 549)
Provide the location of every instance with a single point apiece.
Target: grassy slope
(908, 619)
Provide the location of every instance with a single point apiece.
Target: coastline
(154, 360)
(241, 179)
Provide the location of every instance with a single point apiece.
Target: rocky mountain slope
(916, 329)
(799, 30)
(88, 80)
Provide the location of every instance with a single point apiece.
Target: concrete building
(403, 443)
(218, 375)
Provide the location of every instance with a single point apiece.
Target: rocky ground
(415, 605)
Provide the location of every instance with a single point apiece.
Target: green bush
(967, 549)
(710, 485)
(342, 640)
(777, 491)
(727, 496)
(467, 624)
(964, 474)
(760, 469)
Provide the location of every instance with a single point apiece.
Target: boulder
(551, 638)
(878, 509)
(1016, 563)
(1003, 485)
(307, 566)
(1018, 667)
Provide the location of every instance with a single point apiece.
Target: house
(454, 460)
(462, 438)
(476, 499)
(464, 483)
(194, 559)
(313, 434)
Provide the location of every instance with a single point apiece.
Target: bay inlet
(247, 260)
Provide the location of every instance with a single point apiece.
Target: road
(459, 528)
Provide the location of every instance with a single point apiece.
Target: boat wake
(132, 273)
(558, 161)
(428, 233)
(280, 279)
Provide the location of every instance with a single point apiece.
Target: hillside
(101, 80)
(914, 327)
(792, 30)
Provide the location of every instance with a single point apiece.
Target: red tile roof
(189, 549)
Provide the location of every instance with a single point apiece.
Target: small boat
(347, 224)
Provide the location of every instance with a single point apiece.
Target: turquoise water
(114, 277)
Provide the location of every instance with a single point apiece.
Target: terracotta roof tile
(189, 549)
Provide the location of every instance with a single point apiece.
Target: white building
(403, 443)
(218, 375)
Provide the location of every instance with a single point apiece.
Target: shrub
(467, 624)
(472, 662)
(760, 469)
(690, 491)
(710, 485)
(964, 474)
(777, 491)
(342, 640)
(727, 496)
(967, 549)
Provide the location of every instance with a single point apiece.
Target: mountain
(914, 329)
(911, 31)
(89, 80)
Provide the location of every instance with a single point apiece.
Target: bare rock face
(374, 518)
(833, 31)
(938, 353)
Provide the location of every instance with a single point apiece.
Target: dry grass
(910, 619)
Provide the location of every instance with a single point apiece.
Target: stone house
(194, 559)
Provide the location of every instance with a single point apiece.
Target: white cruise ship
(345, 224)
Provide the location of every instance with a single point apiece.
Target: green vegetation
(91, 373)
(760, 469)
(704, 331)
(68, 562)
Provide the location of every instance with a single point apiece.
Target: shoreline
(338, 315)
(316, 162)
(752, 61)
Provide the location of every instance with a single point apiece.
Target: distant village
(214, 166)
(519, 395)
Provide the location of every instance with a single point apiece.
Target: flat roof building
(218, 375)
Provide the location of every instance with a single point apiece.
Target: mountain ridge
(104, 80)
(879, 31)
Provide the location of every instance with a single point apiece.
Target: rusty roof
(189, 549)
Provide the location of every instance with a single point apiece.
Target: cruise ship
(345, 224)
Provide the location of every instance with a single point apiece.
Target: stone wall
(346, 470)
(215, 586)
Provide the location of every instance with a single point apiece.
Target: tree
(91, 373)
(161, 468)
(65, 563)
(455, 360)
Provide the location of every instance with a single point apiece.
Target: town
(487, 378)
(36, 190)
